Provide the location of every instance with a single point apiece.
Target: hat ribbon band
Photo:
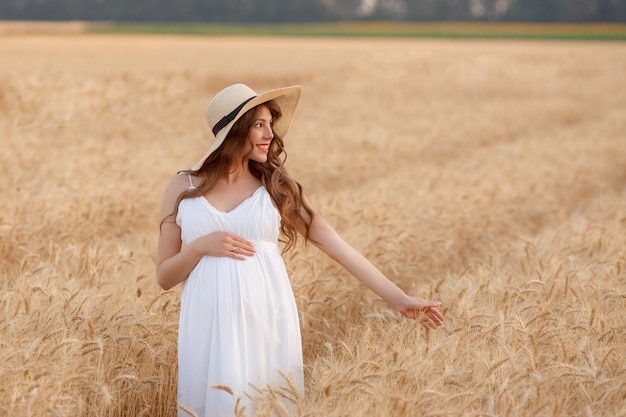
(229, 117)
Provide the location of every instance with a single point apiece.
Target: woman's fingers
(244, 246)
(435, 315)
(237, 247)
(429, 317)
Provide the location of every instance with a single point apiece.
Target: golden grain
(223, 388)
(187, 410)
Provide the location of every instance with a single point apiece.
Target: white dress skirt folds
(238, 319)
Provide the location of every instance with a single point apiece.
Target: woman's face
(260, 135)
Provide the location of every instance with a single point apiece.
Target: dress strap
(191, 186)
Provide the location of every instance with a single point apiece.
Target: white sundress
(238, 319)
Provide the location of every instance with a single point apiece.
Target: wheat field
(490, 175)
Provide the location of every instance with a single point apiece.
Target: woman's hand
(423, 310)
(224, 244)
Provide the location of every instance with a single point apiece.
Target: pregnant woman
(220, 230)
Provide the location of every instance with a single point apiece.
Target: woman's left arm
(328, 240)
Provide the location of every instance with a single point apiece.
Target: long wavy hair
(285, 192)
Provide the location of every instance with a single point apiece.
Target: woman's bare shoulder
(179, 180)
(175, 187)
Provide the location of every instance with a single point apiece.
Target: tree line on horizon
(295, 11)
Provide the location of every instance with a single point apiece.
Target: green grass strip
(591, 32)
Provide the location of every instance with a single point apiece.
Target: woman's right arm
(175, 263)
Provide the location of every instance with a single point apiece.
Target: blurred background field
(454, 30)
(488, 174)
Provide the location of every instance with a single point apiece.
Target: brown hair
(286, 193)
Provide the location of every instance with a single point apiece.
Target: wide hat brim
(287, 99)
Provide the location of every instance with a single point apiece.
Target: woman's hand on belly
(224, 244)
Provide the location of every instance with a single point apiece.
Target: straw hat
(233, 101)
